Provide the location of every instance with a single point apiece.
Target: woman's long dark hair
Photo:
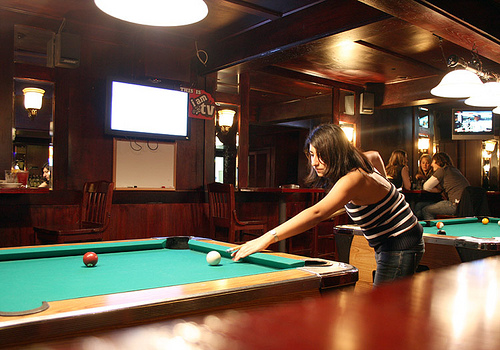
(338, 154)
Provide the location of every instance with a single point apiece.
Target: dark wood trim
(315, 22)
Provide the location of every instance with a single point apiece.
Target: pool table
(466, 239)
(47, 291)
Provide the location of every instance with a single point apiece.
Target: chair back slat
(96, 203)
(222, 203)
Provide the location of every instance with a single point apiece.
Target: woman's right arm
(330, 205)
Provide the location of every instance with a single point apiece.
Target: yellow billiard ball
(485, 221)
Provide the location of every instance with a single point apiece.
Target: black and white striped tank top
(389, 224)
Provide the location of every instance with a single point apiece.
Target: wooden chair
(319, 241)
(222, 206)
(95, 214)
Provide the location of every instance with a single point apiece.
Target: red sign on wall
(201, 104)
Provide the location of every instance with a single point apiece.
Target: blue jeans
(396, 264)
(440, 208)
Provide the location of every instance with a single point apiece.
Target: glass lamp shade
(486, 96)
(459, 83)
(155, 12)
(423, 143)
(226, 117)
(348, 131)
(33, 98)
(496, 110)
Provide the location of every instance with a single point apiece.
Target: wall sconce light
(155, 12)
(33, 100)
(490, 145)
(226, 117)
(348, 130)
(423, 144)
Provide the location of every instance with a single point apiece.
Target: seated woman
(397, 170)
(425, 170)
(45, 176)
(451, 180)
(424, 198)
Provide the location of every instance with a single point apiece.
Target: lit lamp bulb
(33, 100)
(226, 117)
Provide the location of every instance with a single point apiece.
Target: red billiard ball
(90, 259)
(440, 225)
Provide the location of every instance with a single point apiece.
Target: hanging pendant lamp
(459, 83)
(155, 12)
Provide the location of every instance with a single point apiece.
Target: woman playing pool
(369, 198)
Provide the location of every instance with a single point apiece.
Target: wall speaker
(64, 51)
(367, 103)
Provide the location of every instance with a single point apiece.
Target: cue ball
(213, 258)
(485, 221)
(90, 259)
(439, 225)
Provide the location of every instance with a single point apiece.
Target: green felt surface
(27, 281)
(471, 227)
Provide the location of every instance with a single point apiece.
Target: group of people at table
(436, 176)
(358, 183)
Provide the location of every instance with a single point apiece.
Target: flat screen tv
(472, 124)
(146, 110)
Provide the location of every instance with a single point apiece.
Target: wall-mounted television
(146, 110)
(472, 124)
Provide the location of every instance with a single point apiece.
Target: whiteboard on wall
(143, 165)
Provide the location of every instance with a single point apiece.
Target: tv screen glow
(470, 123)
(144, 111)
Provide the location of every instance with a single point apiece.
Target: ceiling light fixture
(467, 82)
(459, 83)
(487, 95)
(165, 13)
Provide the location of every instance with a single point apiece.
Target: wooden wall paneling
(209, 83)
(135, 221)
(6, 86)
(128, 221)
(243, 130)
(17, 221)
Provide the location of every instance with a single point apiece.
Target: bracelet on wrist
(274, 234)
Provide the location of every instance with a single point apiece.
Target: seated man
(451, 180)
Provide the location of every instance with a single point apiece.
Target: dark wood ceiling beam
(444, 24)
(294, 75)
(297, 109)
(324, 19)
(410, 93)
(397, 55)
(253, 9)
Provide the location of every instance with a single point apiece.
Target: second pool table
(466, 239)
(143, 281)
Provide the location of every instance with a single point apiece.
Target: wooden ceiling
(300, 49)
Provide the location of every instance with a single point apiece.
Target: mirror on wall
(32, 130)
